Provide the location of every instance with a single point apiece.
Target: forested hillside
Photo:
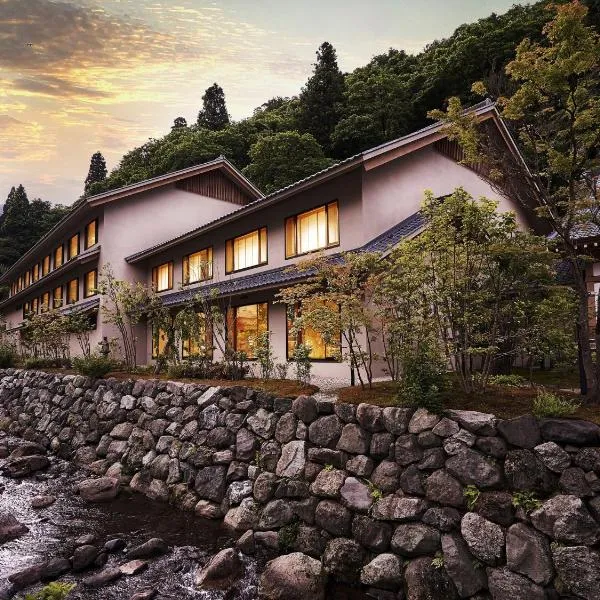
(334, 116)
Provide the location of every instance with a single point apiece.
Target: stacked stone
(380, 496)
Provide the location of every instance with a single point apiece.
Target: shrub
(512, 380)
(34, 362)
(423, 378)
(282, 370)
(528, 501)
(94, 365)
(53, 591)
(264, 354)
(547, 404)
(302, 364)
(8, 356)
(205, 369)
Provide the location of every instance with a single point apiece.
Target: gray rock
(496, 506)
(285, 431)
(145, 594)
(570, 431)
(460, 565)
(103, 578)
(588, 459)
(325, 431)
(293, 459)
(426, 582)
(394, 508)
(333, 517)
(343, 559)
(446, 428)
(243, 517)
(579, 570)
(133, 567)
(492, 446)
(346, 412)
(327, 456)
(211, 484)
(24, 466)
(553, 456)
(262, 423)
(407, 450)
(528, 553)
(381, 444)
(294, 576)
(264, 486)
(208, 510)
(221, 571)
(441, 487)
(484, 538)
(475, 422)
(305, 408)
(153, 547)
(411, 481)
(370, 417)
(84, 557)
(361, 465)
(433, 459)
(384, 572)
(506, 585)
(237, 491)
(246, 445)
(102, 489)
(10, 527)
(567, 520)
(525, 471)
(422, 420)
(386, 476)
(522, 432)
(396, 419)
(373, 535)
(122, 431)
(275, 514)
(442, 518)
(354, 439)
(42, 501)
(415, 539)
(471, 468)
(356, 495)
(573, 481)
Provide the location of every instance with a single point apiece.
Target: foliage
(97, 171)
(322, 96)
(179, 122)
(423, 377)
(375, 492)
(8, 355)
(553, 107)
(203, 368)
(280, 159)
(93, 365)
(471, 494)
(281, 369)
(80, 325)
(548, 404)
(214, 113)
(263, 352)
(438, 561)
(57, 590)
(528, 501)
(302, 364)
(47, 363)
(287, 536)
(45, 335)
(511, 380)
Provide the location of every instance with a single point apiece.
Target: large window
(45, 302)
(57, 297)
(198, 266)
(35, 272)
(244, 323)
(162, 277)
(27, 278)
(26, 310)
(73, 247)
(20, 283)
(59, 257)
(159, 342)
(90, 234)
(200, 344)
(319, 350)
(46, 265)
(90, 283)
(73, 291)
(312, 230)
(246, 251)
(35, 306)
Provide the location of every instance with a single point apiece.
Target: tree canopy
(214, 113)
(97, 171)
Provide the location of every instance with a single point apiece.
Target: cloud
(24, 141)
(55, 86)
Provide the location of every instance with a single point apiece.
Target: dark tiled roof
(585, 230)
(289, 274)
(84, 306)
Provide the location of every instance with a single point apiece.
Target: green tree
(283, 158)
(322, 97)
(214, 113)
(97, 171)
(179, 122)
(555, 114)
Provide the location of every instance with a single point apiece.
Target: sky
(80, 76)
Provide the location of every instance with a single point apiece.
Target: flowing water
(132, 517)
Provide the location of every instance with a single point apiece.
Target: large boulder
(328, 483)
(294, 576)
(522, 432)
(528, 553)
(383, 572)
(475, 422)
(354, 439)
(211, 483)
(102, 489)
(570, 431)
(525, 471)
(553, 456)
(579, 570)
(153, 547)
(325, 431)
(506, 585)
(343, 558)
(386, 476)
(373, 535)
(221, 571)
(395, 508)
(243, 517)
(461, 566)
(262, 423)
(305, 408)
(356, 495)
(472, 468)
(415, 539)
(441, 487)
(10, 528)
(293, 459)
(333, 517)
(424, 581)
(484, 538)
(24, 466)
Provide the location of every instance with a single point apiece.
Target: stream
(131, 517)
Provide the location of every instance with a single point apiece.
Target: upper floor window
(73, 247)
(20, 283)
(91, 234)
(46, 265)
(245, 251)
(312, 230)
(57, 297)
(35, 305)
(90, 283)
(45, 302)
(35, 272)
(198, 266)
(73, 291)
(27, 278)
(244, 324)
(162, 277)
(59, 257)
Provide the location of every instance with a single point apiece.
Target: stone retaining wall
(410, 504)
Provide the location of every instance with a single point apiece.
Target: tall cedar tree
(97, 171)
(179, 122)
(322, 97)
(555, 114)
(214, 113)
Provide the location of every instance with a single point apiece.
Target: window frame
(229, 243)
(68, 302)
(155, 350)
(27, 279)
(288, 358)
(87, 246)
(47, 304)
(62, 256)
(35, 305)
(185, 259)
(54, 304)
(231, 333)
(47, 260)
(295, 216)
(87, 293)
(78, 236)
(170, 264)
